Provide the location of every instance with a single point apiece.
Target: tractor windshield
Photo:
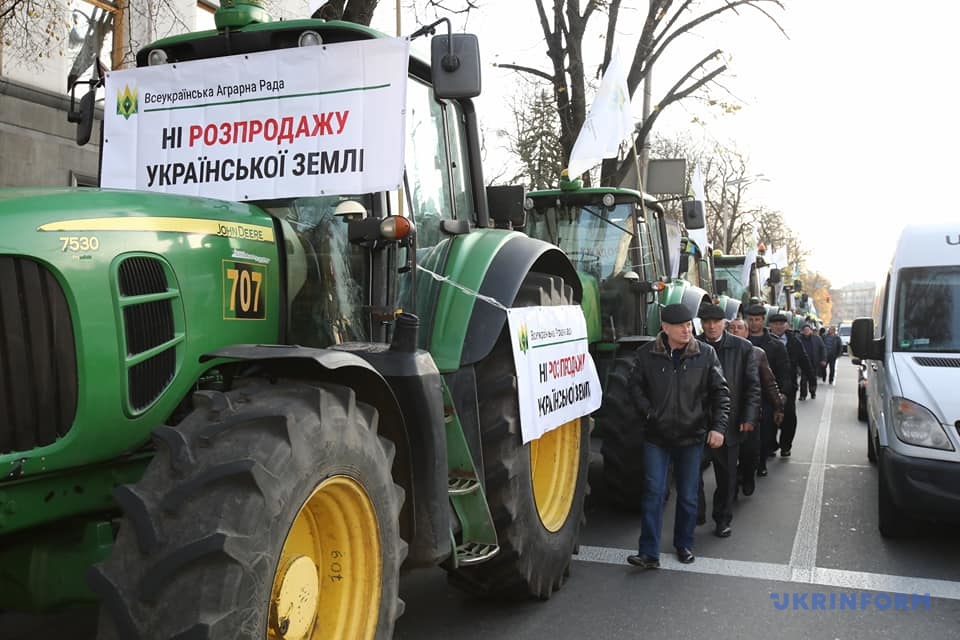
(326, 273)
(730, 281)
(928, 310)
(596, 239)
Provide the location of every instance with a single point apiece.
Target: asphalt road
(809, 532)
(807, 538)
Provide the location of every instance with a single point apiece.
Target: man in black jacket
(681, 394)
(740, 371)
(780, 364)
(799, 362)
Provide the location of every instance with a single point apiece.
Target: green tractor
(617, 239)
(224, 419)
(697, 267)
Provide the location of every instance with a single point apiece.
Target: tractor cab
(613, 238)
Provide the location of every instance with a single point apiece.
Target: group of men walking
(729, 389)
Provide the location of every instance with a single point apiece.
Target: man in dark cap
(780, 365)
(740, 371)
(681, 395)
(799, 362)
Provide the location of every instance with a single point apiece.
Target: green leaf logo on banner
(126, 102)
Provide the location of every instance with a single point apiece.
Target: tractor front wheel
(269, 513)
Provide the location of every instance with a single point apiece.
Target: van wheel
(893, 522)
(871, 448)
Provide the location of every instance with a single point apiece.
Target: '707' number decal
(245, 291)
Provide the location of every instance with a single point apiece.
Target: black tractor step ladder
(478, 534)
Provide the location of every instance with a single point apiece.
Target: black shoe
(701, 518)
(813, 396)
(644, 561)
(802, 398)
(749, 486)
(723, 531)
(685, 555)
(785, 453)
(762, 472)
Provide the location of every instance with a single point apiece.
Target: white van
(911, 347)
(844, 332)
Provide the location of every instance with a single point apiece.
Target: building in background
(852, 301)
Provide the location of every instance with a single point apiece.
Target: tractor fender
(400, 385)
(678, 292)
(505, 273)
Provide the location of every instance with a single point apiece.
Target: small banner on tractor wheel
(305, 121)
(557, 381)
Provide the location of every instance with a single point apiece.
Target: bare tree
(564, 27)
(33, 31)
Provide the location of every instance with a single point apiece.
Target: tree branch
(534, 72)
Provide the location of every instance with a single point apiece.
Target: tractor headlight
(916, 425)
(609, 200)
(309, 39)
(157, 56)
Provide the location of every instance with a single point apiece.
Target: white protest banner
(556, 379)
(319, 120)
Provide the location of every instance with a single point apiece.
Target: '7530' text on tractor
(239, 418)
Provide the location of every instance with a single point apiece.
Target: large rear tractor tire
(622, 444)
(269, 513)
(535, 491)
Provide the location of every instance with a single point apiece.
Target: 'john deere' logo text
(126, 102)
(524, 338)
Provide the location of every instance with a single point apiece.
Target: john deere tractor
(241, 418)
(617, 239)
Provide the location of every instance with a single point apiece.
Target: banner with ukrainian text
(556, 378)
(317, 120)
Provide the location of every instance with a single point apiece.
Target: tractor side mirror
(797, 286)
(721, 286)
(455, 65)
(693, 216)
(775, 277)
(505, 203)
(684, 263)
(83, 116)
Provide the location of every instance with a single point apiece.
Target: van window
(928, 310)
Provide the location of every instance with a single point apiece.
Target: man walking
(834, 347)
(750, 462)
(740, 371)
(798, 363)
(813, 347)
(780, 364)
(681, 393)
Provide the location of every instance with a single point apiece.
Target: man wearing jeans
(684, 401)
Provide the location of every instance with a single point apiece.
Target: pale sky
(852, 120)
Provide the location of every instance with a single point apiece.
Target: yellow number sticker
(244, 288)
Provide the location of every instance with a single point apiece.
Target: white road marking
(802, 567)
(860, 580)
(803, 557)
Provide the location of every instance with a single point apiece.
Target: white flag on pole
(607, 124)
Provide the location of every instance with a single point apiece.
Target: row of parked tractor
(243, 417)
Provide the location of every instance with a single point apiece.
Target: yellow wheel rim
(554, 468)
(327, 582)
